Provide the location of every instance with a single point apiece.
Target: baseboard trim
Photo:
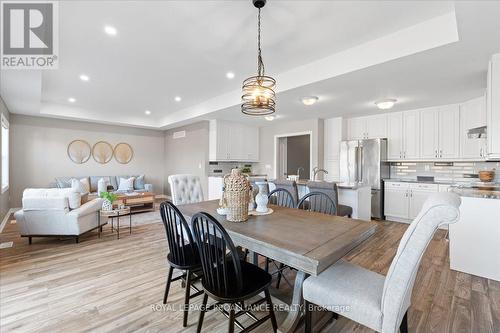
(6, 217)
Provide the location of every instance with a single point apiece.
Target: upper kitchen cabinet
(472, 115)
(439, 132)
(403, 135)
(229, 141)
(371, 127)
(334, 132)
(493, 107)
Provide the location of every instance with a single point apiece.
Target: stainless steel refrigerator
(365, 162)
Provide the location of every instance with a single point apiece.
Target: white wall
(4, 197)
(188, 154)
(267, 134)
(39, 152)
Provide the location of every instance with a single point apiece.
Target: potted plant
(108, 200)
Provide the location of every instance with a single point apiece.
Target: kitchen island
(475, 238)
(357, 196)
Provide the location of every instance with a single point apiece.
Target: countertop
(252, 175)
(349, 186)
(438, 182)
(476, 193)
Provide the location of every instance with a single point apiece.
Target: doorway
(293, 155)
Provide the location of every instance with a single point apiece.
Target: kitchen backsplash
(443, 171)
(223, 168)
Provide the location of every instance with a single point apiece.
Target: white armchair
(185, 189)
(56, 212)
(375, 301)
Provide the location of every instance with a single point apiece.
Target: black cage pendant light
(259, 98)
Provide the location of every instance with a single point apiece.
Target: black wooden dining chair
(226, 278)
(183, 254)
(318, 202)
(281, 197)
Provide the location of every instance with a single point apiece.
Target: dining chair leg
(186, 298)
(308, 317)
(403, 328)
(231, 319)
(266, 267)
(167, 287)
(271, 310)
(203, 309)
(280, 270)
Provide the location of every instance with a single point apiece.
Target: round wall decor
(102, 152)
(123, 153)
(79, 151)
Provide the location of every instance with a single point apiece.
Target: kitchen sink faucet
(317, 170)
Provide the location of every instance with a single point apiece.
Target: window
(5, 154)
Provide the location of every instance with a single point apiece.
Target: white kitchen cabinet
(472, 115)
(396, 201)
(403, 201)
(333, 168)
(403, 130)
(230, 141)
(493, 107)
(439, 132)
(334, 131)
(371, 127)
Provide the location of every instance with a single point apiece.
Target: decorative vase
(261, 198)
(236, 192)
(251, 201)
(107, 205)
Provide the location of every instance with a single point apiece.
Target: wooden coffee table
(136, 201)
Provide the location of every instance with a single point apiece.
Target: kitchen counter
(350, 186)
(476, 193)
(438, 182)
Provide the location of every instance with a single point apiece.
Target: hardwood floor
(110, 285)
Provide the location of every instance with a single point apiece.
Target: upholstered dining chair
(185, 189)
(318, 202)
(290, 186)
(183, 254)
(332, 191)
(378, 302)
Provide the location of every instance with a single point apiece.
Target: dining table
(307, 241)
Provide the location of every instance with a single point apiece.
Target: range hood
(477, 132)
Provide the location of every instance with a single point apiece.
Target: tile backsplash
(443, 171)
(223, 168)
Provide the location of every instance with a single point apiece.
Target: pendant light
(259, 98)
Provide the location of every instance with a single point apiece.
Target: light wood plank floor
(110, 285)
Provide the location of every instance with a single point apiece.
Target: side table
(115, 213)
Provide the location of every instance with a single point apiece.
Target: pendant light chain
(260, 62)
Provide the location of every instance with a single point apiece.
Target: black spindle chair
(226, 278)
(318, 202)
(183, 254)
(281, 197)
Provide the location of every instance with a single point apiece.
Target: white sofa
(56, 212)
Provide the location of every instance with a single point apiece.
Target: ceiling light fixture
(230, 75)
(258, 96)
(147, 112)
(84, 77)
(269, 118)
(309, 100)
(71, 100)
(110, 30)
(386, 104)
(178, 98)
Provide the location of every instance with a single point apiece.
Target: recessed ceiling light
(178, 98)
(386, 104)
(147, 112)
(84, 77)
(230, 75)
(309, 100)
(71, 100)
(110, 30)
(269, 118)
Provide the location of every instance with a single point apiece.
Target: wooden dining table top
(307, 241)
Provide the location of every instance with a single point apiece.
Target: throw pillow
(102, 186)
(74, 200)
(80, 185)
(126, 184)
(139, 183)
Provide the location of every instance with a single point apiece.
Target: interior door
(449, 137)
(282, 158)
(394, 136)
(429, 138)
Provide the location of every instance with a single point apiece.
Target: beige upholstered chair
(56, 212)
(185, 189)
(369, 298)
(289, 185)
